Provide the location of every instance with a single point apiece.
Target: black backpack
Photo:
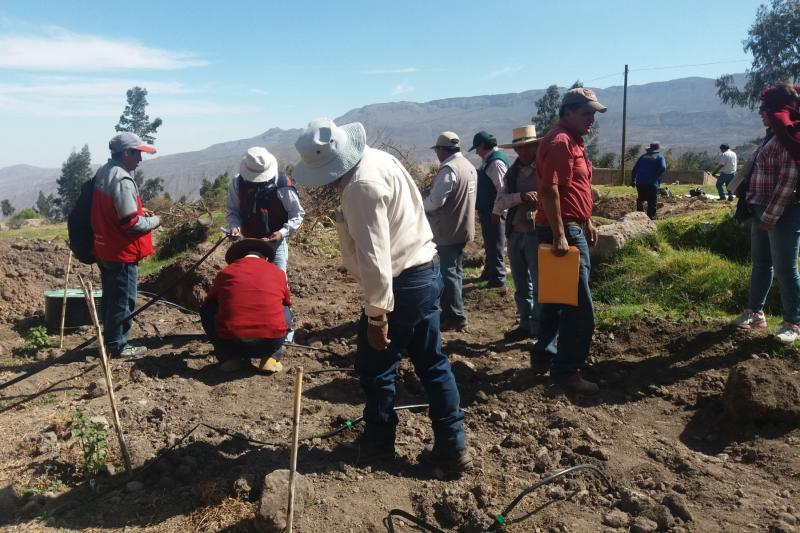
(79, 225)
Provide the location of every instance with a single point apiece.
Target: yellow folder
(558, 276)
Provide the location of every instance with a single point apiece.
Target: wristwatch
(377, 322)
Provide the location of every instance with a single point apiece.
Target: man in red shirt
(564, 182)
(248, 310)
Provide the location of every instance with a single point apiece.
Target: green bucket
(77, 314)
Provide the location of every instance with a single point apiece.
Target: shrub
(37, 338)
(93, 438)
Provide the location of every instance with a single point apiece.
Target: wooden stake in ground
(64, 301)
(87, 292)
(298, 393)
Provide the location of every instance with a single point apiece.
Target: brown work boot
(453, 461)
(575, 383)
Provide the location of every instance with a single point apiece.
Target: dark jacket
(649, 168)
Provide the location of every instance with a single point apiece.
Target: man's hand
(495, 218)
(378, 337)
(147, 212)
(591, 233)
(560, 245)
(275, 237)
(529, 197)
(235, 232)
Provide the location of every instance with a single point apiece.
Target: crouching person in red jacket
(248, 310)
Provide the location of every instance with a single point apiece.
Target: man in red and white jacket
(122, 237)
(247, 312)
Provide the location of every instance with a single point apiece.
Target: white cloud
(401, 88)
(507, 70)
(56, 49)
(407, 70)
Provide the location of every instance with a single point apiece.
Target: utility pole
(624, 118)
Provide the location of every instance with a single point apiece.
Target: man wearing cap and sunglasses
(564, 176)
(387, 246)
(122, 237)
(450, 207)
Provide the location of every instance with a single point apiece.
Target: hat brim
(597, 106)
(257, 177)
(243, 247)
(146, 148)
(348, 157)
(521, 143)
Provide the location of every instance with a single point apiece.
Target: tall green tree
(151, 188)
(547, 110)
(774, 42)
(214, 192)
(6, 208)
(75, 170)
(48, 206)
(135, 119)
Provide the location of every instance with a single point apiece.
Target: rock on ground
(612, 237)
(762, 390)
(271, 515)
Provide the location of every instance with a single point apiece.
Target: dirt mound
(762, 391)
(616, 207)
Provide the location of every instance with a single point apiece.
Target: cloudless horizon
(217, 73)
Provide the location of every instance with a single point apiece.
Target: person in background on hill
(725, 171)
(520, 199)
(775, 231)
(247, 312)
(490, 180)
(646, 177)
(450, 207)
(387, 246)
(263, 203)
(122, 237)
(564, 180)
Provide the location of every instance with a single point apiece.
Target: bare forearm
(551, 205)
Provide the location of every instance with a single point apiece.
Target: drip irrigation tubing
(67, 356)
(501, 519)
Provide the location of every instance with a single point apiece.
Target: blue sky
(222, 71)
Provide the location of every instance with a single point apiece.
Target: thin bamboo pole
(298, 394)
(87, 292)
(64, 301)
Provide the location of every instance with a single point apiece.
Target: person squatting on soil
(247, 312)
(564, 175)
(646, 177)
(122, 237)
(725, 171)
(771, 193)
(387, 246)
(263, 203)
(520, 198)
(490, 180)
(450, 207)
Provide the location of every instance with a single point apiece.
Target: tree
(606, 160)
(632, 153)
(75, 170)
(135, 119)
(151, 188)
(49, 207)
(774, 42)
(214, 193)
(6, 208)
(547, 110)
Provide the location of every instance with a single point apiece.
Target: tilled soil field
(658, 430)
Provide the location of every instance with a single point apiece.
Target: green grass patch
(716, 231)
(615, 191)
(48, 232)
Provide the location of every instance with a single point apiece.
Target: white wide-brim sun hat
(258, 165)
(328, 151)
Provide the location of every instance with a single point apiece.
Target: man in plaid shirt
(775, 232)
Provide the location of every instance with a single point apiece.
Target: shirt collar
(451, 158)
(559, 125)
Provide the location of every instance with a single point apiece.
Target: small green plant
(93, 438)
(37, 338)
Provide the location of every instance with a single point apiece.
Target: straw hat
(258, 165)
(328, 151)
(522, 136)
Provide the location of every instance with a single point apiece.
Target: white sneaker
(788, 333)
(751, 320)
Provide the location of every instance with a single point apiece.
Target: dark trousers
(574, 325)
(119, 300)
(494, 242)
(451, 257)
(413, 328)
(647, 194)
(225, 349)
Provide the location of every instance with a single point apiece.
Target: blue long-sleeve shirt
(649, 168)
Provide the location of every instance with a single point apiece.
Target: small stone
(481, 396)
(556, 492)
(643, 525)
(47, 442)
(241, 488)
(788, 518)
(95, 389)
(616, 518)
(134, 486)
(497, 416)
(677, 506)
(271, 514)
(739, 493)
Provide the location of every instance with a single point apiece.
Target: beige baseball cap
(583, 96)
(447, 139)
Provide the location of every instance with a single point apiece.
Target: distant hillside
(683, 114)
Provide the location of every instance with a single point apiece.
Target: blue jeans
(573, 325)
(524, 269)
(119, 300)
(724, 179)
(452, 301)
(282, 255)
(494, 240)
(413, 327)
(775, 251)
(225, 349)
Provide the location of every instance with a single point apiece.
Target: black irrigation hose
(501, 519)
(65, 356)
